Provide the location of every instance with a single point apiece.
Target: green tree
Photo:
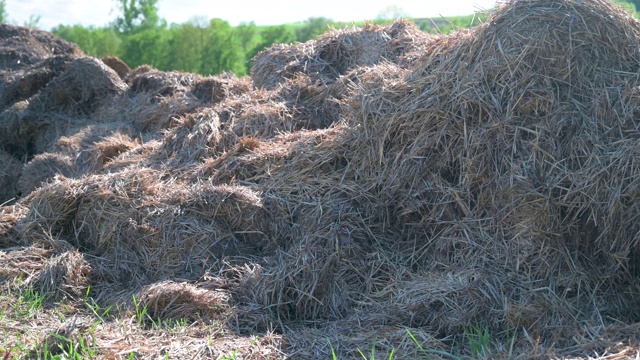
(636, 3)
(280, 34)
(144, 35)
(148, 46)
(186, 46)
(247, 33)
(629, 5)
(4, 17)
(137, 16)
(311, 28)
(223, 50)
(96, 42)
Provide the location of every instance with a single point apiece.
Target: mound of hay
(18, 263)
(21, 47)
(152, 101)
(10, 169)
(23, 84)
(119, 66)
(84, 86)
(214, 89)
(171, 300)
(336, 53)
(161, 83)
(9, 216)
(62, 275)
(43, 168)
(489, 183)
(476, 179)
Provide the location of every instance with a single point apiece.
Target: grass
(32, 326)
(479, 340)
(78, 348)
(140, 312)
(28, 303)
(100, 313)
(81, 343)
(372, 354)
(429, 352)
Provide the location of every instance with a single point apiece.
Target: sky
(265, 12)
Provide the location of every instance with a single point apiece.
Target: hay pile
(367, 182)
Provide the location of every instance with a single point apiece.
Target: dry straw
(370, 181)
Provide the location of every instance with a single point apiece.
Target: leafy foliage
(137, 16)
(139, 36)
(311, 28)
(96, 42)
(3, 11)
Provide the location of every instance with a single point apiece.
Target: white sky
(265, 12)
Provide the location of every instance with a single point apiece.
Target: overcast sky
(265, 12)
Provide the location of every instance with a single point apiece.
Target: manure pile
(372, 181)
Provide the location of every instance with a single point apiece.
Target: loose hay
(214, 89)
(336, 53)
(21, 47)
(83, 87)
(43, 168)
(63, 275)
(359, 189)
(169, 300)
(119, 66)
(21, 85)
(10, 170)
(9, 216)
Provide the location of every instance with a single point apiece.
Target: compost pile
(372, 181)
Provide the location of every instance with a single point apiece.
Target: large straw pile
(353, 189)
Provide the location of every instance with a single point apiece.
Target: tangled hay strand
(9, 216)
(92, 146)
(21, 47)
(22, 84)
(214, 89)
(110, 148)
(166, 227)
(119, 66)
(62, 275)
(336, 53)
(19, 263)
(12, 133)
(43, 168)
(161, 83)
(196, 137)
(171, 300)
(138, 71)
(10, 170)
(84, 86)
(153, 100)
(310, 102)
(489, 183)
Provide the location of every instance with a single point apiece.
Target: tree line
(205, 46)
(139, 36)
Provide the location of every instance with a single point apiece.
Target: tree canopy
(206, 46)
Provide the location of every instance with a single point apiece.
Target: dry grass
(10, 169)
(474, 191)
(119, 66)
